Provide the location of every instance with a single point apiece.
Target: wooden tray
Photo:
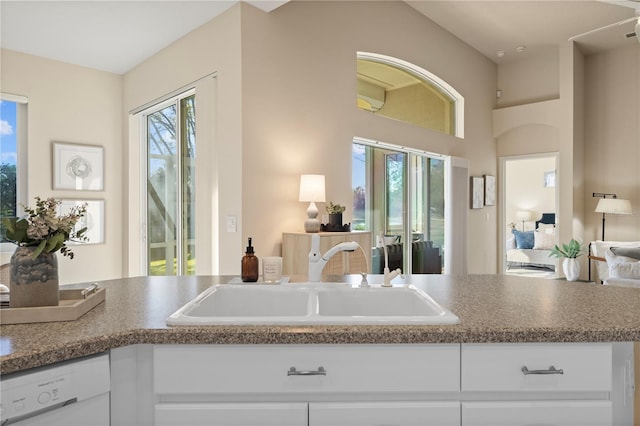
(72, 306)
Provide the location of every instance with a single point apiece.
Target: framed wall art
(477, 192)
(78, 167)
(93, 220)
(489, 190)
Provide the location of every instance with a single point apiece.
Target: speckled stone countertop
(491, 308)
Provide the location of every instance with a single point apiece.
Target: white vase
(571, 269)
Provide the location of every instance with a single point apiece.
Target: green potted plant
(335, 214)
(570, 253)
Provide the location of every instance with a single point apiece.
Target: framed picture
(489, 190)
(550, 179)
(79, 167)
(477, 192)
(93, 220)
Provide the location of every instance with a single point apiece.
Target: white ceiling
(116, 36)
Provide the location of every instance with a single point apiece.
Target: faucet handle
(364, 282)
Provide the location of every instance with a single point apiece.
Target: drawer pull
(550, 370)
(319, 372)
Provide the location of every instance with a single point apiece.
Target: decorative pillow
(543, 241)
(547, 228)
(622, 266)
(524, 240)
(632, 252)
(511, 243)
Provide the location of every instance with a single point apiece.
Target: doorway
(529, 214)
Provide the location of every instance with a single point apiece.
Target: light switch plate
(232, 223)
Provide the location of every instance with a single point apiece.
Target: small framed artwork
(93, 220)
(550, 179)
(79, 167)
(489, 190)
(477, 192)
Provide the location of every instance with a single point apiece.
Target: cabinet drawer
(512, 413)
(229, 414)
(442, 413)
(499, 367)
(265, 369)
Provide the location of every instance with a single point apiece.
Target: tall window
(171, 150)
(13, 171)
(400, 193)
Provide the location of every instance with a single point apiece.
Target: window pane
(395, 188)
(8, 161)
(393, 92)
(359, 185)
(162, 194)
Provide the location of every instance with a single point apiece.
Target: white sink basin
(401, 302)
(311, 303)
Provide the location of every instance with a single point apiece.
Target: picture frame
(93, 219)
(489, 190)
(477, 192)
(550, 179)
(78, 167)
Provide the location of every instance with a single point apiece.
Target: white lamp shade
(524, 215)
(613, 206)
(312, 188)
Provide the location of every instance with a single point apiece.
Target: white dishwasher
(74, 393)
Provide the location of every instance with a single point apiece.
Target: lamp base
(312, 224)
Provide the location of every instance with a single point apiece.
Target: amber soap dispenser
(249, 265)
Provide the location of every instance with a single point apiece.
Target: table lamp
(524, 215)
(312, 190)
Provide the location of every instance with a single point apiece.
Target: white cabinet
(375, 385)
(550, 384)
(286, 384)
(231, 414)
(548, 413)
(416, 413)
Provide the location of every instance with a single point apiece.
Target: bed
(532, 248)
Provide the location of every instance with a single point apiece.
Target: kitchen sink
(311, 303)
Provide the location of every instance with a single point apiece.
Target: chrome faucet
(317, 262)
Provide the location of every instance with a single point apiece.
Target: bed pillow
(524, 240)
(543, 241)
(632, 252)
(622, 266)
(547, 228)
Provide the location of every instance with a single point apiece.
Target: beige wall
(68, 103)
(612, 139)
(528, 81)
(300, 115)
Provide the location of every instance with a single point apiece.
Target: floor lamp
(613, 205)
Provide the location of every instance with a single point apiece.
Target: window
(171, 151)
(397, 89)
(13, 170)
(400, 193)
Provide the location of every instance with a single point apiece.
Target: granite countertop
(491, 308)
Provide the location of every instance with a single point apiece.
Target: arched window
(400, 90)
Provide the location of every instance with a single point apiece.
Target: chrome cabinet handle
(319, 372)
(550, 370)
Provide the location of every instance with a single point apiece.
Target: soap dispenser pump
(249, 265)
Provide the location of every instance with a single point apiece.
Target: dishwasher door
(67, 394)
